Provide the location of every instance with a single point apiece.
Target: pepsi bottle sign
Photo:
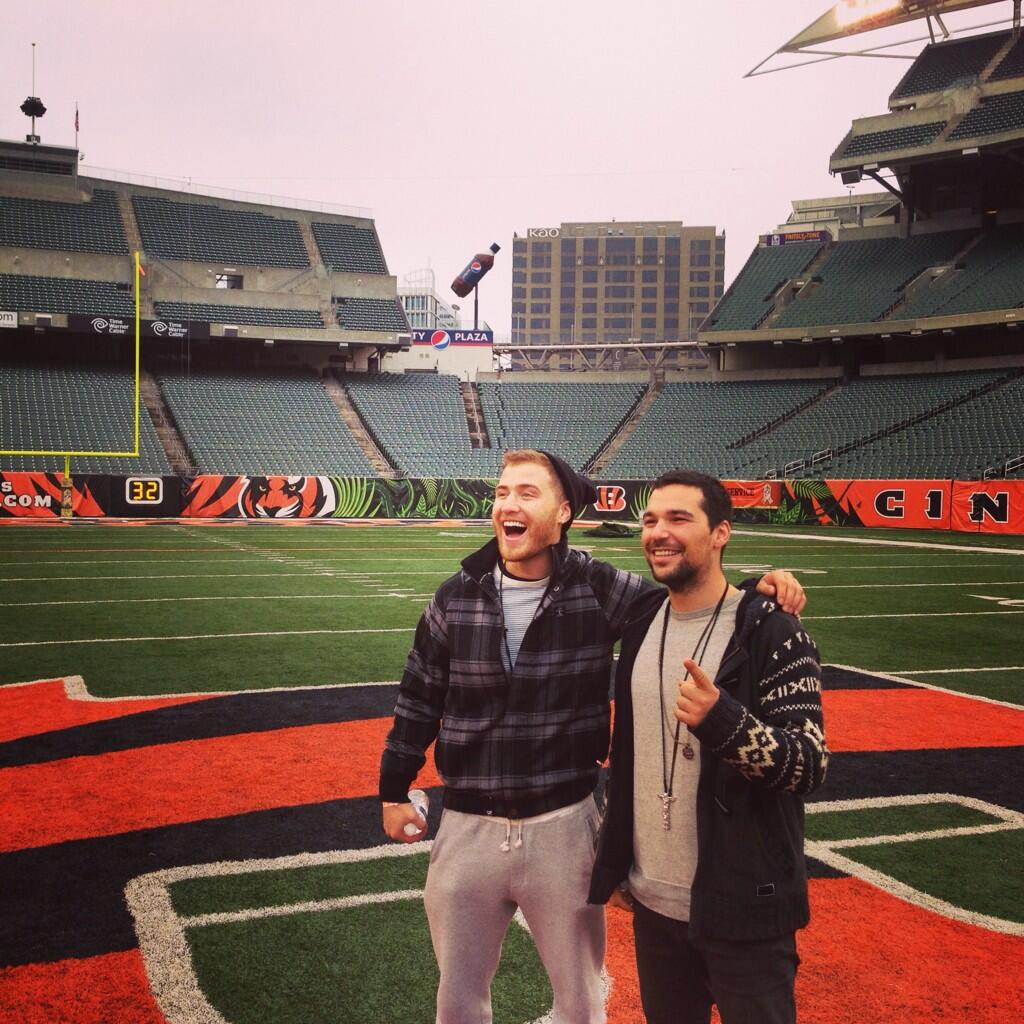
(474, 271)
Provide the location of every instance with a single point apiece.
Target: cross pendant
(666, 810)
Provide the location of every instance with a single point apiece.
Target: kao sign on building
(543, 232)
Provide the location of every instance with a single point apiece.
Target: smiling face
(528, 513)
(681, 547)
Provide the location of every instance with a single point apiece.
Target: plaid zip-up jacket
(521, 743)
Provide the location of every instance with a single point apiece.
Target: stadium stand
(574, 420)
(861, 280)
(240, 314)
(944, 65)
(356, 314)
(201, 231)
(692, 425)
(960, 442)
(749, 300)
(348, 248)
(272, 422)
(858, 410)
(994, 114)
(1012, 65)
(49, 407)
(94, 226)
(989, 276)
(419, 422)
(29, 293)
(906, 137)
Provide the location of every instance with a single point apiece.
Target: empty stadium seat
(943, 65)
(906, 137)
(356, 314)
(419, 422)
(24, 292)
(201, 231)
(574, 420)
(53, 407)
(988, 276)
(272, 422)
(748, 300)
(94, 226)
(221, 314)
(862, 279)
(691, 425)
(992, 115)
(348, 248)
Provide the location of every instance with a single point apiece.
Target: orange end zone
(95, 990)
(125, 790)
(916, 719)
(868, 956)
(45, 707)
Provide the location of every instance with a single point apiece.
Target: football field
(191, 719)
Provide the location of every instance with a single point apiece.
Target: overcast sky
(456, 123)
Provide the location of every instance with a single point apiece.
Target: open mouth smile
(513, 528)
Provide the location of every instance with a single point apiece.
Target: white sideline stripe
(75, 689)
(908, 615)
(890, 586)
(308, 907)
(896, 677)
(880, 543)
(953, 671)
(826, 851)
(361, 576)
(391, 595)
(161, 932)
(205, 636)
(934, 833)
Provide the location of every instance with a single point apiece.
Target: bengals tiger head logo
(286, 497)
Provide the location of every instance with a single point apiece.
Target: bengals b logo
(610, 498)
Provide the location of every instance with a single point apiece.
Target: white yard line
(881, 543)
(907, 615)
(890, 586)
(205, 636)
(390, 595)
(827, 851)
(955, 671)
(897, 677)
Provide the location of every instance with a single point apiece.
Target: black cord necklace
(700, 649)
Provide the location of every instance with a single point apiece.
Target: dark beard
(682, 579)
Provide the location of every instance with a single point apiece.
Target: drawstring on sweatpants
(506, 846)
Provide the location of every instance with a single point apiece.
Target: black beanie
(579, 491)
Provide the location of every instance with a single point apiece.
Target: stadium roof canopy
(850, 18)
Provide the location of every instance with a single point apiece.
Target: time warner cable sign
(442, 339)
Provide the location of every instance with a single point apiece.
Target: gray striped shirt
(519, 602)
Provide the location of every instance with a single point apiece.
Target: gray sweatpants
(481, 870)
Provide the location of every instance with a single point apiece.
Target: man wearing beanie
(509, 672)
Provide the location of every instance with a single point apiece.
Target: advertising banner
(39, 496)
(992, 506)
(441, 339)
(124, 326)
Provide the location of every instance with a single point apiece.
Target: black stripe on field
(67, 900)
(986, 773)
(833, 678)
(204, 719)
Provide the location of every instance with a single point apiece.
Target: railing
(825, 455)
(214, 191)
(792, 467)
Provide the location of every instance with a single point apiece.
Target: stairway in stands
(622, 435)
(358, 429)
(178, 454)
(478, 436)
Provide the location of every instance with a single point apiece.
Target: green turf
(977, 872)
(897, 819)
(220, 893)
(320, 968)
(307, 586)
